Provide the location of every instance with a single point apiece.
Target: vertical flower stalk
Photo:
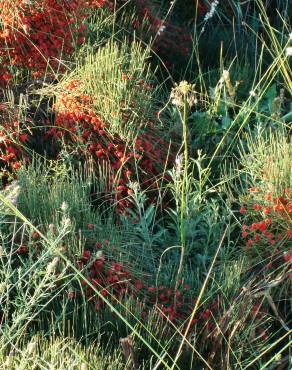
(183, 97)
(183, 190)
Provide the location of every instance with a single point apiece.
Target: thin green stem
(183, 191)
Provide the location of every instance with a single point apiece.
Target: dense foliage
(145, 220)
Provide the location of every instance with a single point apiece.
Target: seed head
(64, 206)
(52, 266)
(31, 347)
(182, 91)
(289, 51)
(3, 287)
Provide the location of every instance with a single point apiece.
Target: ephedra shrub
(105, 111)
(267, 206)
(266, 209)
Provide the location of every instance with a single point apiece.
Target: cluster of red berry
(114, 281)
(13, 135)
(77, 125)
(37, 35)
(272, 222)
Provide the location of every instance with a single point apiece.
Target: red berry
(138, 285)
(86, 254)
